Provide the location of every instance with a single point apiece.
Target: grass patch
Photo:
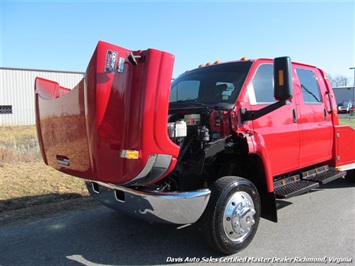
(346, 121)
(25, 180)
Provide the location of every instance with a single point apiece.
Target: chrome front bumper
(150, 205)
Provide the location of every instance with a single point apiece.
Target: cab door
(314, 121)
(279, 129)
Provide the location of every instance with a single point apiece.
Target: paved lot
(319, 224)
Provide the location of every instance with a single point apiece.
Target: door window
(309, 86)
(263, 84)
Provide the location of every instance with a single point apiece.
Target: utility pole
(354, 75)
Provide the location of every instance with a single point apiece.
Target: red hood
(120, 105)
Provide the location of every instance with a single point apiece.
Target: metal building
(17, 92)
(344, 94)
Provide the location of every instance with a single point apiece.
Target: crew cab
(217, 145)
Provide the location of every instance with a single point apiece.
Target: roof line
(344, 87)
(41, 70)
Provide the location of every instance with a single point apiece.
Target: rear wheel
(350, 176)
(232, 216)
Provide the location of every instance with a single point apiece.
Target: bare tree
(338, 80)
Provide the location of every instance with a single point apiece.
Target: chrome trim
(346, 167)
(147, 168)
(97, 191)
(238, 218)
(63, 161)
(155, 206)
(155, 167)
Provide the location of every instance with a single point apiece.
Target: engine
(192, 133)
(193, 127)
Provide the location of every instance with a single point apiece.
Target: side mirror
(283, 78)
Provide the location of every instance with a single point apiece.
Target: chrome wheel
(232, 215)
(239, 216)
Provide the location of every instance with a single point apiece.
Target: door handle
(294, 115)
(325, 114)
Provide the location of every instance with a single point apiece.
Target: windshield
(213, 85)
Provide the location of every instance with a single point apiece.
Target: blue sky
(63, 35)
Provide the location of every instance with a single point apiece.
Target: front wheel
(232, 215)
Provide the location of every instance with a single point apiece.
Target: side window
(185, 90)
(263, 84)
(309, 86)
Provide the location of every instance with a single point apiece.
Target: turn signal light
(130, 154)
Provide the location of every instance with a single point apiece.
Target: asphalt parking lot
(318, 225)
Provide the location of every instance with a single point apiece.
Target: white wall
(17, 90)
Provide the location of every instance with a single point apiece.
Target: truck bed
(344, 147)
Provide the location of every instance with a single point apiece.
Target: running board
(293, 186)
(306, 181)
(325, 176)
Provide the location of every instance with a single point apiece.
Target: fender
(256, 145)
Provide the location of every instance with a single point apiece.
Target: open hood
(112, 127)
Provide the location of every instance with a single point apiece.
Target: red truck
(217, 145)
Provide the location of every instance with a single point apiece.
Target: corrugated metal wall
(17, 91)
(344, 94)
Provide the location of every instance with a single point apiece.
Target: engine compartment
(199, 134)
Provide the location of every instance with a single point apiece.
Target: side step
(293, 186)
(324, 177)
(306, 181)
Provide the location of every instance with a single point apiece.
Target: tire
(232, 215)
(350, 176)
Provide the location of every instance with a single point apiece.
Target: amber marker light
(281, 77)
(130, 154)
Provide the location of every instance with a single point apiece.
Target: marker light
(130, 154)
(216, 62)
(244, 58)
(281, 77)
(201, 65)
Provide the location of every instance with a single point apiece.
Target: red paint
(108, 112)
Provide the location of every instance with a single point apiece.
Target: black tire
(350, 176)
(224, 228)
